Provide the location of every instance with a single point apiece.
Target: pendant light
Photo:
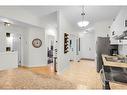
(83, 23)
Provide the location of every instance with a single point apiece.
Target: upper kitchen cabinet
(118, 25)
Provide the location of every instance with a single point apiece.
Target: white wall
(19, 14)
(35, 56)
(49, 20)
(101, 28)
(49, 23)
(30, 56)
(64, 27)
(55, 23)
(88, 40)
(14, 30)
(88, 45)
(8, 60)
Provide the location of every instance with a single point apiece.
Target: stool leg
(106, 86)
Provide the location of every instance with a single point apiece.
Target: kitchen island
(114, 61)
(8, 60)
(114, 71)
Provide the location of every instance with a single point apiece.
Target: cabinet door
(120, 24)
(124, 41)
(113, 29)
(113, 41)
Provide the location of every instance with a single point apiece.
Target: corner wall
(101, 28)
(49, 23)
(64, 26)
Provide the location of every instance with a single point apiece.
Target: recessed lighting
(83, 23)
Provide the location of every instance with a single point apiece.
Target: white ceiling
(73, 13)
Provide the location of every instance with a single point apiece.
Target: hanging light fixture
(83, 23)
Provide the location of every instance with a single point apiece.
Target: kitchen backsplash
(122, 49)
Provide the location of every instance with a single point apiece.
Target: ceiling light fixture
(83, 23)
(7, 24)
(6, 21)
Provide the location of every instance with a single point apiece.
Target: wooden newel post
(55, 63)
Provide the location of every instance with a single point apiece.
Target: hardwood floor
(43, 70)
(83, 74)
(21, 78)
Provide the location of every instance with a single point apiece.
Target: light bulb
(83, 23)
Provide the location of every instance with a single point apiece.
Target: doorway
(50, 51)
(17, 47)
(74, 47)
(14, 45)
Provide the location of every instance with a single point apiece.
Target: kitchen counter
(110, 62)
(113, 71)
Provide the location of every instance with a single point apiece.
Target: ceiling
(73, 13)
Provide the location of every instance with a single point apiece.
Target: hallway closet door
(88, 46)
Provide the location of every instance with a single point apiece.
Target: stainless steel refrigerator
(102, 47)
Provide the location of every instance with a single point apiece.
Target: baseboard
(23, 66)
(87, 59)
(28, 67)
